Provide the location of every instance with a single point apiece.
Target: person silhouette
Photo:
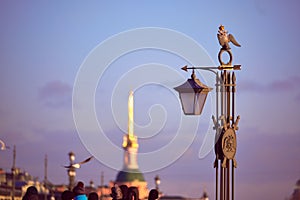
(67, 195)
(124, 190)
(153, 194)
(31, 194)
(79, 191)
(93, 196)
(116, 193)
(133, 193)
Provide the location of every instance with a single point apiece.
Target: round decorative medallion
(229, 143)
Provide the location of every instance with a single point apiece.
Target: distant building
(22, 181)
(130, 175)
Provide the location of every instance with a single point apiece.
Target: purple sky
(43, 49)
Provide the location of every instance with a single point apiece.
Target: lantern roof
(193, 85)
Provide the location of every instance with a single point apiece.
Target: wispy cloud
(55, 94)
(284, 85)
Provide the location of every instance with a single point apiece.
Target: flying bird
(3, 146)
(224, 38)
(77, 165)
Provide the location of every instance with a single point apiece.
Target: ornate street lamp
(157, 182)
(71, 171)
(72, 168)
(13, 172)
(193, 95)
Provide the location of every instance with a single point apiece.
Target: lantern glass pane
(188, 102)
(199, 102)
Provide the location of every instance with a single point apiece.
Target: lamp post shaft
(13, 171)
(45, 176)
(102, 185)
(225, 144)
(71, 171)
(225, 126)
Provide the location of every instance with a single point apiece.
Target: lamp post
(193, 94)
(71, 170)
(157, 183)
(13, 172)
(102, 185)
(45, 177)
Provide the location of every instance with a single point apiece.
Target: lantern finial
(193, 75)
